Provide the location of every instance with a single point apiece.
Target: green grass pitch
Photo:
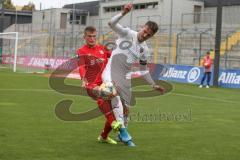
(189, 124)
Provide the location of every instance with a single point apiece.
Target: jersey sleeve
(145, 55)
(116, 27)
(81, 63)
(107, 52)
(211, 62)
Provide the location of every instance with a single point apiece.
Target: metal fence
(184, 43)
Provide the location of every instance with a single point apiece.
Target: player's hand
(84, 83)
(127, 8)
(159, 88)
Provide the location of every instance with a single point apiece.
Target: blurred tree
(29, 7)
(7, 4)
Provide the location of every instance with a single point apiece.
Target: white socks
(118, 110)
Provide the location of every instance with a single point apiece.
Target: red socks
(107, 129)
(106, 109)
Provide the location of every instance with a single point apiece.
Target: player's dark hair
(153, 26)
(89, 29)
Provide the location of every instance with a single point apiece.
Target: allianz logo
(229, 78)
(190, 76)
(173, 73)
(193, 75)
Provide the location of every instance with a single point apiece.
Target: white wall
(230, 14)
(137, 17)
(163, 11)
(51, 16)
(55, 13)
(181, 7)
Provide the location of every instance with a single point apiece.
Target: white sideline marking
(74, 76)
(30, 90)
(206, 98)
(3, 67)
(7, 104)
(178, 94)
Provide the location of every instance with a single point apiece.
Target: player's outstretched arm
(113, 23)
(127, 8)
(148, 78)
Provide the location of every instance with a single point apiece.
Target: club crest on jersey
(101, 52)
(92, 62)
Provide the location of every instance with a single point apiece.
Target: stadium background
(191, 123)
(187, 30)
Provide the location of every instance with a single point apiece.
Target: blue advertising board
(229, 78)
(193, 74)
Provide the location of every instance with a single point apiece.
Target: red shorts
(90, 91)
(91, 94)
(104, 105)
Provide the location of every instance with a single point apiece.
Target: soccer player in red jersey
(93, 58)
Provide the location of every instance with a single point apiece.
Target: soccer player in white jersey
(130, 48)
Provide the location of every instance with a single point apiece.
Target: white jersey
(127, 52)
(127, 44)
(130, 46)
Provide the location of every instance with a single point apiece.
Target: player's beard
(140, 38)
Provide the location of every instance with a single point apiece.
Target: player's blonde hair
(89, 29)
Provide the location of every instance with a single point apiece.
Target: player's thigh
(92, 91)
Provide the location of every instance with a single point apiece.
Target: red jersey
(207, 63)
(92, 62)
